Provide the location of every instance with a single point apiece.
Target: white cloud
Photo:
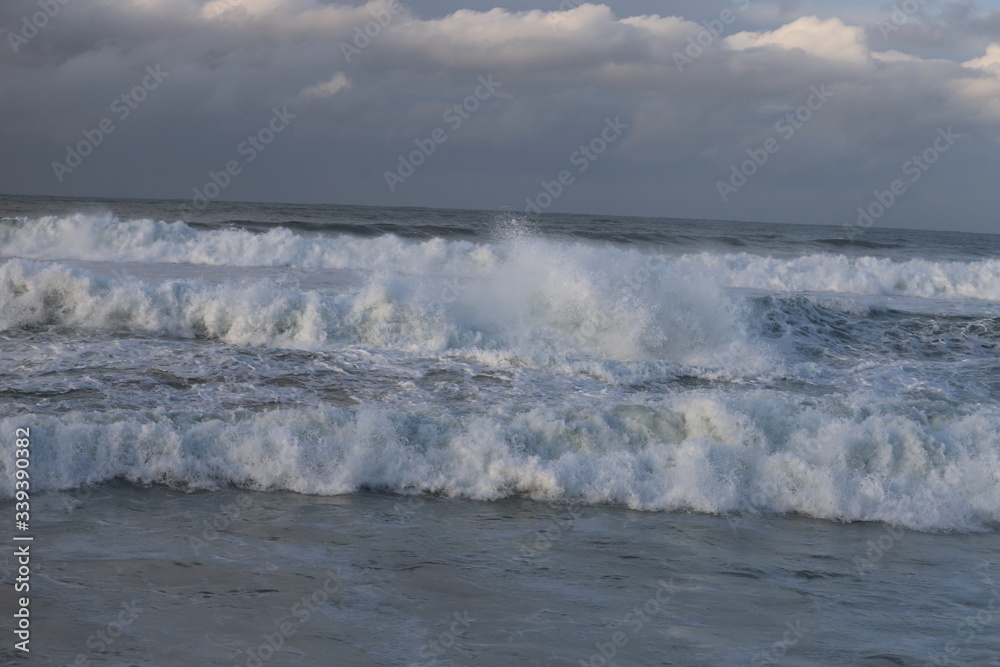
(989, 61)
(830, 39)
(981, 90)
(326, 88)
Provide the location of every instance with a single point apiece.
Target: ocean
(313, 434)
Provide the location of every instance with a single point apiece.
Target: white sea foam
(105, 238)
(705, 451)
(853, 275)
(534, 307)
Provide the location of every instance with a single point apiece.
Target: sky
(793, 111)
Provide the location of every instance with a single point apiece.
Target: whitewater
(496, 356)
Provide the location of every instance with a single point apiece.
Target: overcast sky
(676, 102)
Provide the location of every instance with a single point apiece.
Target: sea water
(608, 440)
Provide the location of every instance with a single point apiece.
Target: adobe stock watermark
(436, 648)
(10, 566)
(545, 538)
(250, 148)
(793, 633)
(581, 158)
(298, 615)
(455, 116)
(643, 274)
(221, 521)
(588, 332)
(757, 500)
(122, 106)
(878, 548)
(364, 36)
(636, 620)
(713, 31)
(786, 127)
(102, 640)
(972, 625)
(220, 7)
(30, 26)
(914, 168)
(76, 497)
(450, 293)
(404, 512)
(901, 13)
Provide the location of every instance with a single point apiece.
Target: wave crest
(705, 451)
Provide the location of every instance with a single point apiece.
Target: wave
(852, 275)
(403, 229)
(816, 414)
(533, 310)
(838, 328)
(755, 453)
(105, 238)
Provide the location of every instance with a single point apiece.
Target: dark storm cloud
(695, 100)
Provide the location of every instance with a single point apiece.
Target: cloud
(829, 39)
(563, 73)
(990, 61)
(982, 92)
(326, 88)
